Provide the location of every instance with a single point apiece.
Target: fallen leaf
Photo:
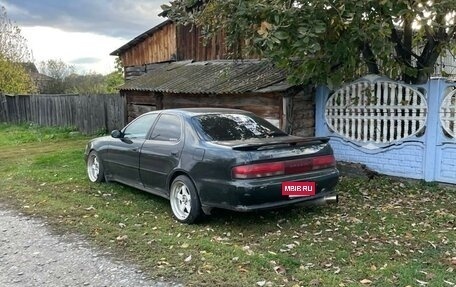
(243, 270)
(290, 246)
(122, 238)
(421, 282)
(247, 250)
(261, 283)
(279, 270)
(188, 259)
(365, 281)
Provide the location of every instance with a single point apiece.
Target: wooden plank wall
(172, 42)
(265, 105)
(140, 102)
(302, 116)
(157, 47)
(90, 114)
(190, 45)
(300, 112)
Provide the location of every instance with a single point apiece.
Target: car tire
(184, 200)
(95, 170)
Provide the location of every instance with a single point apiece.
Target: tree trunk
(369, 59)
(406, 54)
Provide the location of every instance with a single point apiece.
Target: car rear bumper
(320, 199)
(262, 194)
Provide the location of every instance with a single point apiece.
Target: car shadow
(263, 218)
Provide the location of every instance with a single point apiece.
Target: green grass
(388, 232)
(27, 133)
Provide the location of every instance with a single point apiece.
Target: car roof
(201, 111)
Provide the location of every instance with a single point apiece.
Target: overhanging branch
(369, 58)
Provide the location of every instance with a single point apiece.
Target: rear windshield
(230, 127)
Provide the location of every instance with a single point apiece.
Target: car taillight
(325, 161)
(283, 167)
(258, 170)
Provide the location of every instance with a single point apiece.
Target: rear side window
(168, 128)
(228, 127)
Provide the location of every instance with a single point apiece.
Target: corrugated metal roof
(211, 77)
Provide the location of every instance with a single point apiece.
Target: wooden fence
(90, 114)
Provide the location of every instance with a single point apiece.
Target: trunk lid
(282, 156)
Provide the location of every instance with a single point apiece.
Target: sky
(82, 33)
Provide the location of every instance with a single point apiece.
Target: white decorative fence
(448, 114)
(376, 110)
(391, 127)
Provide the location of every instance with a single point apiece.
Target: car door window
(168, 128)
(140, 126)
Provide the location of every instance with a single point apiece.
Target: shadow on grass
(255, 221)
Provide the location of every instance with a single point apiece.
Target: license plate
(294, 189)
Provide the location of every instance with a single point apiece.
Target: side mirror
(116, 134)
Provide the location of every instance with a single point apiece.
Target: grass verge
(382, 233)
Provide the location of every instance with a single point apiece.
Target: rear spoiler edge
(253, 146)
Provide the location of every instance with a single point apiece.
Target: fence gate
(393, 128)
(445, 134)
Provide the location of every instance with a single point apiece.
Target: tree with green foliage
(66, 80)
(14, 79)
(59, 71)
(116, 78)
(91, 83)
(332, 41)
(14, 51)
(113, 81)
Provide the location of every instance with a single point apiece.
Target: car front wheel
(95, 169)
(184, 200)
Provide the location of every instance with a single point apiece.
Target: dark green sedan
(206, 158)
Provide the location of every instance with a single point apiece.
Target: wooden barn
(169, 66)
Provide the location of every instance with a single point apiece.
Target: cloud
(116, 18)
(82, 32)
(86, 51)
(85, 60)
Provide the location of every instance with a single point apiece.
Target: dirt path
(31, 255)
